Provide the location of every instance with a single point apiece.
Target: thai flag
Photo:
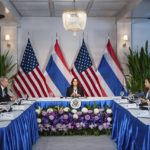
(110, 74)
(57, 74)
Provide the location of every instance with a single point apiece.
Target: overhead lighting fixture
(2, 11)
(74, 20)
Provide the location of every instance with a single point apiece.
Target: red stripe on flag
(112, 54)
(73, 73)
(95, 76)
(60, 55)
(40, 73)
(39, 82)
(20, 85)
(17, 91)
(26, 84)
(49, 91)
(47, 87)
(86, 83)
(93, 84)
(36, 89)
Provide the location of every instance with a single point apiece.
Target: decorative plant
(139, 69)
(59, 120)
(6, 65)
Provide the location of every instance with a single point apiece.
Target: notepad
(143, 114)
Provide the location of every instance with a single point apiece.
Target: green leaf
(139, 69)
(6, 65)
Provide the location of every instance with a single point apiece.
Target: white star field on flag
(29, 61)
(83, 60)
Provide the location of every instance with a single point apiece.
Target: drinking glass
(121, 93)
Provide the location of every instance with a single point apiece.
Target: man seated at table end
(4, 97)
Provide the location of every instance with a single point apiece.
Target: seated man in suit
(3, 91)
(75, 90)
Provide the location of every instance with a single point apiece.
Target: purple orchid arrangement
(67, 121)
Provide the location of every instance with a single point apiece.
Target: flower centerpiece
(58, 120)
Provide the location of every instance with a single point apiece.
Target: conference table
(130, 128)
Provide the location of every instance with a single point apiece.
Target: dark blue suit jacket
(6, 97)
(70, 91)
(142, 94)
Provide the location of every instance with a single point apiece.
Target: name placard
(122, 101)
(130, 106)
(18, 107)
(6, 116)
(27, 102)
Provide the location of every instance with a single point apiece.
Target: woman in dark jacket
(145, 93)
(75, 90)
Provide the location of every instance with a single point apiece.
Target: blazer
(6, 97)
(142, 94)
(70, 91)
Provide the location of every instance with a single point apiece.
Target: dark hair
(73, 80)
(148, 78)
(146, 89)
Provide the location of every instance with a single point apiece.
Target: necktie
(3, 93)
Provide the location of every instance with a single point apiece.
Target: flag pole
(108, 36)
(56, 36)
(83, 35)
(28, 35)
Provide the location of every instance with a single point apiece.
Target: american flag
(85, 72)
(30, 80)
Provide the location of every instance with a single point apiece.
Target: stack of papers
(143, 114)
(5, 108)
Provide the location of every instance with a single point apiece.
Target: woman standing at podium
(75, 90)
(145, 93)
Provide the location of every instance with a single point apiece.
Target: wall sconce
(6, 10)
(7, 38)
(125, 39)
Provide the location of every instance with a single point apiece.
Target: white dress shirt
(75, 91)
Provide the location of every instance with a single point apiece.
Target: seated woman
(75, 90)
(146, 93)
